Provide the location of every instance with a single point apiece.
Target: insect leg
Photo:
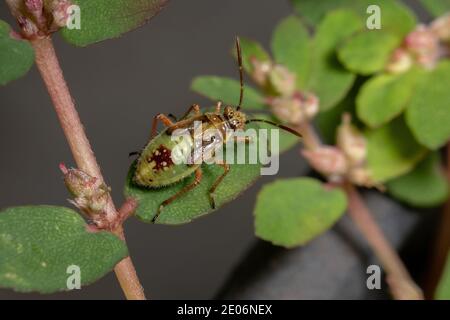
(226, 168)
(134, 153)
(171, 116)
(195, 108)
(164, 119)
(189, 187)
(185, 123)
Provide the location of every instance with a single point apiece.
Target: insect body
(156, 168)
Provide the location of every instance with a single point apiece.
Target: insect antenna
(290, 130)
(241, 76)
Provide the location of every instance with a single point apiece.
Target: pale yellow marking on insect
(164, 163)
(11, 276)
(43, 264)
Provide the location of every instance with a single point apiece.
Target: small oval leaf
(368, 52)
(291, 47)
(329, 80)
(39, 243)
(425, 186)
(227, 90)
(395, 16)
(392, 151)
(428, 113)
(16, 56)
(106, 19)
(385, 96)
(251, 49)
(291, 212)
(436, 7)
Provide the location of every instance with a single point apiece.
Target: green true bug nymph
(155, 167)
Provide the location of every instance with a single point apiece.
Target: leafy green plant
(378, 97)
(39, 243)
(390, 81)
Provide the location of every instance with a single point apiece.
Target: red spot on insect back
(162, 157)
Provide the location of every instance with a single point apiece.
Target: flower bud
(260, 71)
(327, 160)
(58, 9)
(90, 195)
(310, 105)
(29, 28)
(288, 110)
(424, 45)
(441, 28)
(400, 61)
(282, 80)
(361, 176)
(34, 7)
(351, 141)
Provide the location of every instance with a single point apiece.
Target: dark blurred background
(119, 85)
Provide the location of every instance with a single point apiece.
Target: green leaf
(368, 52)
(436, 7)
(16, 56)
(251, 49)
(106, 19)
(39, 243)
(428, 114)
(425, 186)
(329, 80)
(227, 90)
(286, 140)
(395, 16)
(392, 151)
(443, 289)
(291, 47)
(196, 202)
(291, 212)
(385, 96)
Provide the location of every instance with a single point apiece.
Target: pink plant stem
(398, 278)
(442, 244)
(401, 284)
(48, 65)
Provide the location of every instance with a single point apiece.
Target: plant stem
(50, 70)
(398, 278)
(442, 244)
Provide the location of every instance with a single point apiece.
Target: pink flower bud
(327, 160)
(58, 9)
(29, 28)
(400, 61)
(90, 195)
(441, 28)
(361, 176)
(424, 45)
(310, 104)
(282, 80)
(288, 110)
(351, 141)
(34, 6)
(261, 70)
